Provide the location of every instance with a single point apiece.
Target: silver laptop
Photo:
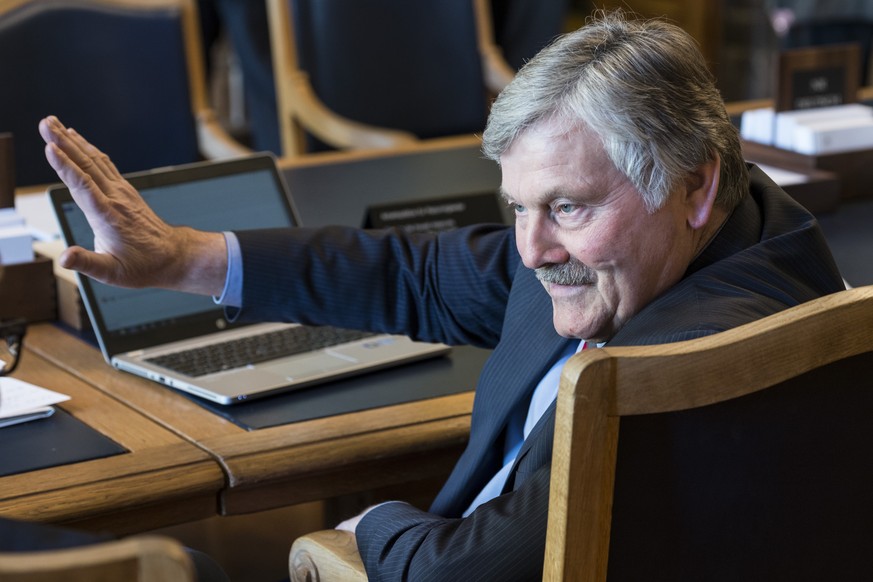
(173, 337)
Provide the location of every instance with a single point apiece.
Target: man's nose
(538, 244)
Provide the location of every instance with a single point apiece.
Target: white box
(757, 125)
(16, 245)
(787, 122)
(833, 136)
(10, 217)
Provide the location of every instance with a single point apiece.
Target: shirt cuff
(231, 295)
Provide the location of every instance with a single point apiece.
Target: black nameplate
(436, 214)
(818, 88)
(818, 77)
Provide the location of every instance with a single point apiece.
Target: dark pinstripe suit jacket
(469, 286)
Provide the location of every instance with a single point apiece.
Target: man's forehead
(549, 157)
(553, 133)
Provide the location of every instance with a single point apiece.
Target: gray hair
(644, 88)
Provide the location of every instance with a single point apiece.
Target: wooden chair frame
(135, 559)
(598, 387)
(300, 109)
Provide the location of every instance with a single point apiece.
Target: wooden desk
(161, 480)
(293, 463)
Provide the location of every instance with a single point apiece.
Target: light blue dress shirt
(520, 425)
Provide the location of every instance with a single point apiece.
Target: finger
(100, 159)
(103, 170)
(79, 182)
(53, 131)
(68, 171)
(48, 127)
(76, 148)
(45, 128)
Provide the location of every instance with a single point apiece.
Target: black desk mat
(60, 439)
(456, 372)
(450, 374)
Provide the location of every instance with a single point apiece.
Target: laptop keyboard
(258, 348)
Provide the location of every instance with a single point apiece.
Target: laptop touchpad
(306, 366)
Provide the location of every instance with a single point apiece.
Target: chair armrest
(147, 557)
(496, 71)
(335, 129)
(330, 554)
(213, 140)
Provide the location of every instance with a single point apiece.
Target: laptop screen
(241, 194)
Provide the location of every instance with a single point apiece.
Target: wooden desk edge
(159, 473)
(277, 454)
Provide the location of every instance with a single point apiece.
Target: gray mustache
(570, 273)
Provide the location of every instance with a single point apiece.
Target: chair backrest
(746, 455)
(135, 559)
(420, 68)
(126, 73)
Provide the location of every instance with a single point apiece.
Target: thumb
(99, 266)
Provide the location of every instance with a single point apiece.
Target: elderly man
(637, 222)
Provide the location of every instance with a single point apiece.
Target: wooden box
(71, 309)
(28, 290)
(854, 169)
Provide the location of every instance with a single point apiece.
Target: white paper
(783, 177)
(43, 412)
(18, 398)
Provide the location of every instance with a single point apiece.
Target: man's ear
(701, 188)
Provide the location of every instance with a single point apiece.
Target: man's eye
(566, 208)
(517, 208)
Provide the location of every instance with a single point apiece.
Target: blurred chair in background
(135, 559)
(382, 73)
(128, 73)
(243, 24)
(523, 27)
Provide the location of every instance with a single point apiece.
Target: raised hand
(133, 247)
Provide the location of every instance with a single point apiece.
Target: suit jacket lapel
(529, 346)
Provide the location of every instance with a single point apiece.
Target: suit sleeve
(450, 287)
(504, 539)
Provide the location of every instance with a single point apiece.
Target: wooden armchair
(365, 75)
(129, 74)
(135, 559)
(746, 455)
